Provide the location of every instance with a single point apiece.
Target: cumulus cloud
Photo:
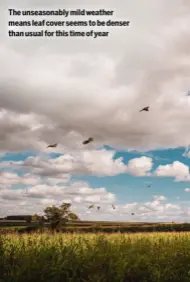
(81, 195)
(177, 169)
(70, 191)
(95, 90)
(64, 91)
(140, 166)
(159, 198)
(83, 192)
(86, 162)
(7, 179)
(154, 210)
(12, 195)
(35, 198)
(187, 189)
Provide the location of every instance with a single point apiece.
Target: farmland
(95, 257)
(103, 226)
(86, 251)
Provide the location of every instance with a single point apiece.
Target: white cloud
(94, 162)
(151, 211)
(177, 169)
(12, 195)
(159, 198)
(66, 90)
(7, 179)
(80, 195)
(140, 166)
(97, 89)
(77, 192)
(37, 197)
(49, 202)
(187, 189)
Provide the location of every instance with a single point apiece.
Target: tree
(73, 217)
(58, 216)
(36, 217)
(28, 219)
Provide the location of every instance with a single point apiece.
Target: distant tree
(59, 216)
(73, 217)
(28, 219)
(38, 218)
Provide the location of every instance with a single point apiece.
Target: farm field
(95, 257)
(7, 226)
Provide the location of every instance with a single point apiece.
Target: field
(102, 226)
(95, 257)
(22, 226)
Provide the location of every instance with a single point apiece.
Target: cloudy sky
(64, 90)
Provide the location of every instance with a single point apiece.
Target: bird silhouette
(90, 207)
(98, 208)
(113, 207)
(149, 185)
(146, 109)
(88, 141)
(52, 145)
(132, 213)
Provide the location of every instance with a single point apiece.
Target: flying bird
(188, 93)
(146, 109)
(90, 207)
(98, 208)
(88, 141)
(113, 207)
(52, 145)
(148, 185)
(132, 213)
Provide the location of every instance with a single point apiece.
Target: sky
(65, 90)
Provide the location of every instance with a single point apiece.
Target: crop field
(95, 257)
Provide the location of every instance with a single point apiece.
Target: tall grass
(98, 258)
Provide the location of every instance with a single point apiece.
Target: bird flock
(91, 139)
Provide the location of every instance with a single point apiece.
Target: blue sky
(130, 188)
(127, 188)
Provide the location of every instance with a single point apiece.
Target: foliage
(91, 227)
(59, 216)
(79, 226)
(163, 257)
(36, 217)
(130, 228)
(28, 220)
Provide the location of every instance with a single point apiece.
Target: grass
(12, 227)
(154, 257)
(90, 226)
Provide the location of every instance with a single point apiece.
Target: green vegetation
(130, 228)
(85, 258)
(45, 255)
(63, 219)
(59, 216)
(75, 227)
